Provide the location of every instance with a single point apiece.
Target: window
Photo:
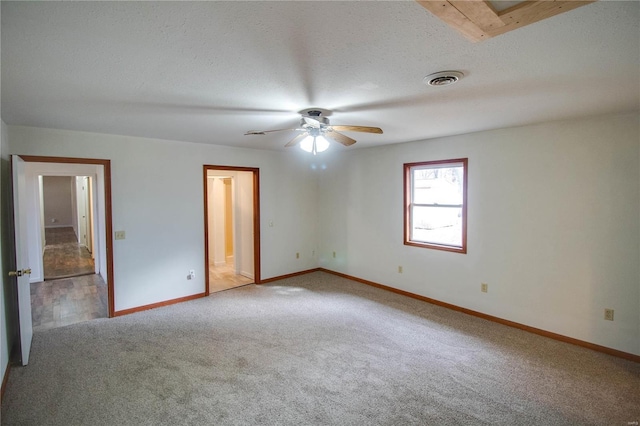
(436, 204)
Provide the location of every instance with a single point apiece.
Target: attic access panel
(480, 20)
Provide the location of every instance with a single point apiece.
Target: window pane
(438, 185)
(437, 225)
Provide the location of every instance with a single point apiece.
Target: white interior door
(21, 269)
(245, 207)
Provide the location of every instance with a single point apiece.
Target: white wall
(553, 225)
(74, 206)
(158, 200)
(81, 191)
(218, 203)
(554, 214)
(211, 221)
(43, 241)
(57, 192)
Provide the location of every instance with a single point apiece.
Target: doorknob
(20, 273)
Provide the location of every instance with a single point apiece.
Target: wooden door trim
(107, 211)
(256, 219)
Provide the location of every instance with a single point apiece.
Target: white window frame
(409, 204)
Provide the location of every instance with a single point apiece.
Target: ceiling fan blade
(312, 122)
(340, 138)
(357, 129)
(264, 132)
(295, 141)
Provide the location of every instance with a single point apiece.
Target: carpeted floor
(314, 349)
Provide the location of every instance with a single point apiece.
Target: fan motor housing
(319, 118)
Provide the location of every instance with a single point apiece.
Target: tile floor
(71, 291)
(64, 256)
(57, 303)
(224, 277)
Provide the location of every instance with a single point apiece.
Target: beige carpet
(315, 349)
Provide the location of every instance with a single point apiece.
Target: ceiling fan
(316, 129)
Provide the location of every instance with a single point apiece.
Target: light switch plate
(120, 235)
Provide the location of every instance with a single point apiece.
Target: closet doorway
(231, 227)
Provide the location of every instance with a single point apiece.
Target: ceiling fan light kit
(314, 144)
(318, 131)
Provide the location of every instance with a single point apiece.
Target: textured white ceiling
(209, 71)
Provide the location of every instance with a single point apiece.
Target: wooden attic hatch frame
(478, 20)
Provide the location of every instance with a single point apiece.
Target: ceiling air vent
(443, 78)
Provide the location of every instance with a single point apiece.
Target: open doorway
(66, 217)
(231, 227)
(67, 239)
(26, 226)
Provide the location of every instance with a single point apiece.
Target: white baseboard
(246, 274)
(58, 226)
(220, 263)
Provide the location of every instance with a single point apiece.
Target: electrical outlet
(334, 254)
(297, 255)
(484, 287)
(120, 235)
(608, 314)
(399, 269)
